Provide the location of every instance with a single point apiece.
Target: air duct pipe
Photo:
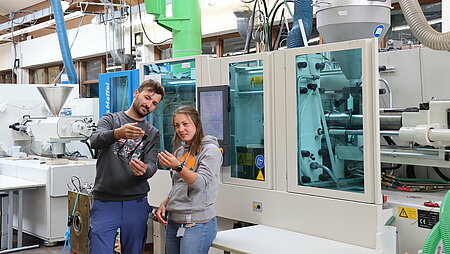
(185, 24)
(420, 27)
(63, 41)
(302, 10)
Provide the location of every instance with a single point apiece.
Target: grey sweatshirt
(115, 180)
(197, 199)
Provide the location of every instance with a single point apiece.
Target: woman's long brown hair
(196, 143)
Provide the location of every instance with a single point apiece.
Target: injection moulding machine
(37, 126)
(304, 141)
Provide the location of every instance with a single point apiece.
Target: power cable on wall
(143, 29)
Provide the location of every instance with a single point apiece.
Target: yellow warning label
(407, 213)
(258, 80)
(245, 159)
(260, 176)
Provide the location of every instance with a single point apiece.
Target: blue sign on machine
(378, 31)
(259, 161)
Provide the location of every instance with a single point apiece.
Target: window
(215, 46)
(38, 76)
(6, 77)
(45, 75)
(91, 68)
(209, 48)
(52, 74)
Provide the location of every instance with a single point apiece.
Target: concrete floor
(30, 240)
(44, 250)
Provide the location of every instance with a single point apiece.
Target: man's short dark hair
(152, 86)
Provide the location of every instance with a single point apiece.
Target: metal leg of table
(19, 224)
(19, 249)
(20, 219)
(10, 218)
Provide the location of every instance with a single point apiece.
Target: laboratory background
(332, 116)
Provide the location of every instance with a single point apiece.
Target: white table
(10, 185)
(262, 239)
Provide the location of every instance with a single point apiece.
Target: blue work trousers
(107, 216)
(197, 239)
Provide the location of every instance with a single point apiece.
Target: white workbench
(262, 239)
(10, 185)
(45, 214)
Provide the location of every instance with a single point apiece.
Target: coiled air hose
(420, 27)
(440, 230)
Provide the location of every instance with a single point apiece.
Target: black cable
(265, 8)
(89, 148)
(280, 31)
(143, 29)
(389, 140)
(397, 166)
(446, 178)
(72, 181)
(250, 30)
(274, 13)
(410, 173)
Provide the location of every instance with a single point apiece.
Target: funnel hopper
(55, 97)
(346, 20)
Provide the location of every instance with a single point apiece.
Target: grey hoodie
(197, 199)
(114, 180)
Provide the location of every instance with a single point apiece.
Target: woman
(195, 164)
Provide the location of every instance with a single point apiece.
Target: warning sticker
(427, 219)
(407, 213)
(257, 80)
(245, 159)
(260, 176)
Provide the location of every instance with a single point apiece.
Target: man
(127, 158)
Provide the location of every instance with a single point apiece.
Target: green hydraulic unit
(185, 24)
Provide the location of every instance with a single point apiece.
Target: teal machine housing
(329, 117)
(247, 119)
(179, 81)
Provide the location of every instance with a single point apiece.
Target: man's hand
(138, 167)
(128, 131)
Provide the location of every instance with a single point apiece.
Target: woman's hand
(168, 160)
(161, 214)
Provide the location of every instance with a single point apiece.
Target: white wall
(445, 16)
(90, 41)
(6, 56)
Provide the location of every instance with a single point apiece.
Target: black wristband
(179, 168)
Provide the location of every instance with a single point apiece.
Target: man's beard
(138, 111)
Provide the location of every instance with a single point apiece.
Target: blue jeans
(196, 240)
(107, 216)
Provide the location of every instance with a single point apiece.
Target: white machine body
(427, 127)
(61, 129)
